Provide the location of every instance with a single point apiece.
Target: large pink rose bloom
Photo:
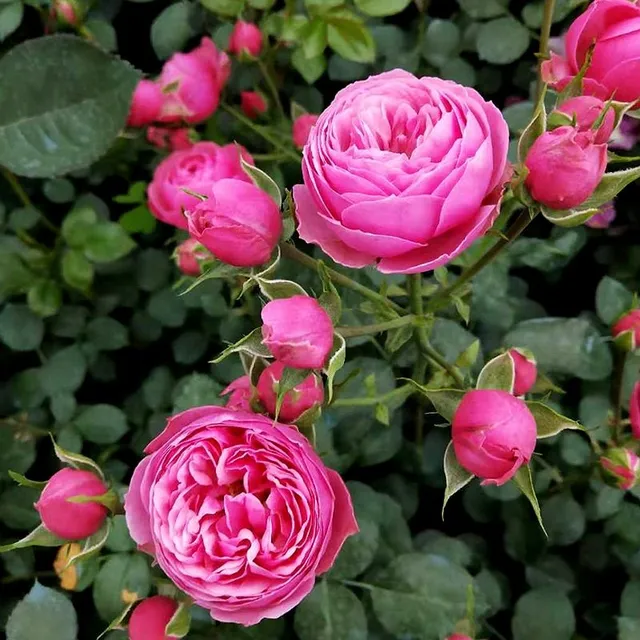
(239, 512)
(403, 172)
(196, 169)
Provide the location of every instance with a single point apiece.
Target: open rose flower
(402, 171)
(239, 512)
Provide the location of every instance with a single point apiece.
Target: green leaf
(102, 423)
(64, 371)
(349, 37)
(106, 242)
(103, 32)
(76, 225)
(628, 628)
(119, 538)
(107, 334)
(543, 613)
(358, 551)
(498, 373)
(20, 328)
(10, 18)
(172, 28)
(262, 181)
(564, 519)
(168, 308)
(27, 390)
(138, 220)
(524, 481)
(43, 613)
(180, 622)
(610, 186)
(444, 401)
(251, 343)
(330, 612)
(25, 482)
(630, 599)
(309, 68)
(482, 9)
(502, 41)
(45, 298)
(39, 537)
(77, 271)
(456, 475)
(119, 621)
(379, 8)
(336, 362)
(76, 460)
(196, 390)
(613, 300)
(224, 7)
(441, 41)
(549, 422)
(69, 101)
(90, 546)
(314, 38)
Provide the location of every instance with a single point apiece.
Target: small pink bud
(459, 636)
(239, 223)
(239, 392)
(301, 398)
(587, 110)
(297, 331)
(150, 618)
(634, 410)
(494, 434)
(172, 139)
(565, 167)
(252, 104)
(66, 11)
(621, 466)
(630, 322)
(302, 128)
(245, 38)
(604, 218)
(526, 371)
(72, 520)
(188, 256)
(146, 104)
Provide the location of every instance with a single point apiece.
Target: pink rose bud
(239, 511)
(459, 636)
(239, 223)
(172, 139)
(629, 323)
(66, 11)
(309, 393)
(245, 38)
(72, 520)
(188, 256)
(565, 167)
(604, 218)
(216, 61)
(146, 104)
(252, 104)
(526, 371)
(587, 110)
(302, 128)
(297, 331)
(494, 434)
(239, 392)
(634, 410)
(622, 467)
(150, 618)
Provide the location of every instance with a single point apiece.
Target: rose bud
(634, 410)
(67, 12)
(604, 218)
(305, 395)
(629, 325)
(172, 139)
(72, 520)
(297, 331)
(146, 104)
(252, 104)
(150, 618)
(586, 111)
(188, 255)
(621, 467)
(239, 223)
(302, 128)
(239, 392)
(246, 38)
(526, 371)
(459, 636)
(494, 434)
(565, 167)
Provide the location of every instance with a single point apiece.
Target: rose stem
(268, 78)
(24, 198)
(368, 329)
(406, 389)
(545, 32)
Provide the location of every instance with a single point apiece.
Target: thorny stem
(24, 198)
(268, 78)
(368, 329)
(545, 32)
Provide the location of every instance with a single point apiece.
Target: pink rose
(494, 434)
(252, 104)
(66, 11)
(402, 172)
(634, 410)
(195, 168)
(216, 61)
(565, 167)
(188, 256)
(614, 27)
(239, 223)
(172, 139)
(302, 128)
(458, 636)
(629, 324)
(239, 512)
(587, 110)
(150, 618)
(145, 104)
(526, 371)
(72, 520)
(622, 467)
(245, 38)
(309, 393)
(604, 218)
(239, 392)
(297, 331)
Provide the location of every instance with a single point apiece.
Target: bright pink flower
(252, 104)
(297, 331)
(614, 27)
(246, 38)
(526, 371)
(402, 172)
(622, 466)
(309, 393)
(238, 511)
(195, 169)
(634, 410)
(216, 61)
(150, 618)
(72, 520)
(172, 139)
(630, 322)
(188, 256)
(565, 167)
(604, 218)
(239, 223)
(494, 434)
(302, 128)
(239, 392)
(146, 103)
(458, 636)
(587, 110)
